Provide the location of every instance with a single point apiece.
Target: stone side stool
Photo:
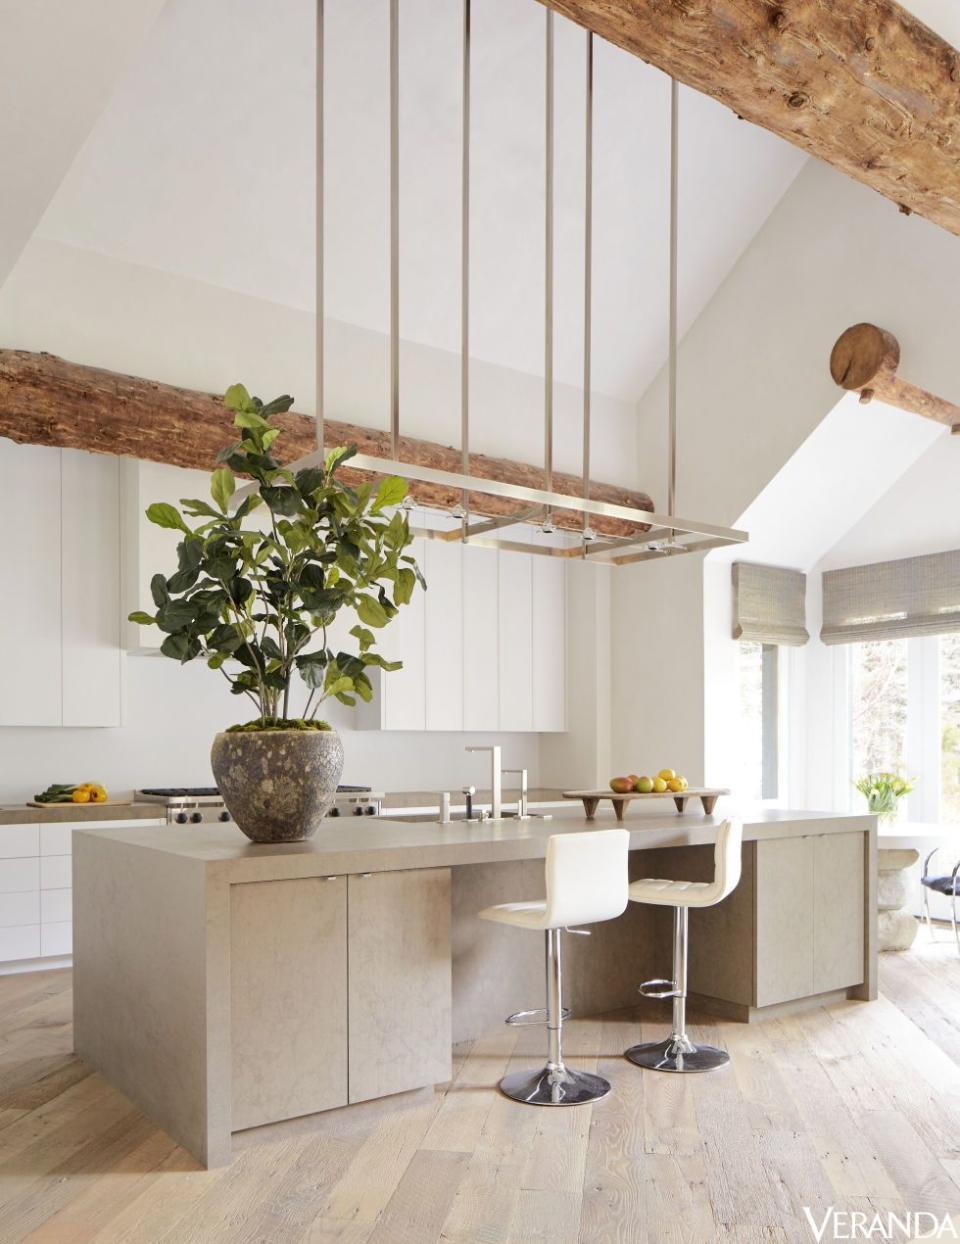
(896, 926)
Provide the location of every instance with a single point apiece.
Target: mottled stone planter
(278, 785)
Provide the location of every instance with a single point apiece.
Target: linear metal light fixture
(664, 534)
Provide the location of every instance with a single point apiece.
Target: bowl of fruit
(667, 781)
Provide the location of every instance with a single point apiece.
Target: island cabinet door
(838, 911)
(399, 934)
(784, 898)
(288, 981)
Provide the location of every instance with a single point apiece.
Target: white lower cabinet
(36, 887)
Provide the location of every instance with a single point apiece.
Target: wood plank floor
(857, 1107)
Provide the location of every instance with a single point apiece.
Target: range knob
(181, 818)
(196, 817)
(371, 811)
(334, 811)
(225, 815)
(358, 811)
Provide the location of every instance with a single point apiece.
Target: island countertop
(386, 844)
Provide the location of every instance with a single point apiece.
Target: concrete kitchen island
(223, 985)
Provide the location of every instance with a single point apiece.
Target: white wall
(174, 712)
(754, 383)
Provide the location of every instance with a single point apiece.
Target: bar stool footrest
(659, 989)
(523, 1019)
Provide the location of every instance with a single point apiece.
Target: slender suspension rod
(674, 239)
(548, 260)
(587, 275)
(465, 270)
(319, 235)
(395, 228)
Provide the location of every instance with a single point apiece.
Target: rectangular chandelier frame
(664, 534)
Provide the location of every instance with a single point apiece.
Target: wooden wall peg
(865, 360)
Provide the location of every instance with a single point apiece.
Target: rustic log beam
(45, 400)
(865, 360)
(863, 85)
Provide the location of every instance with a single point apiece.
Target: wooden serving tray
(68, 803)
(708, 796)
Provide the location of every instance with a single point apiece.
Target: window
(878, 707)
(949, 685)
(759, 719)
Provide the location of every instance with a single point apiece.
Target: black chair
(944, 884)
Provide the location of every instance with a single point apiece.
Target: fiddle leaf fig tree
(256, 601)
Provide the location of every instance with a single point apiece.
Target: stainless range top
(198, 805)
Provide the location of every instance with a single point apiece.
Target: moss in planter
(266, 725)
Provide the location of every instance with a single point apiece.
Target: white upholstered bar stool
(678, 1052)
(586, 882)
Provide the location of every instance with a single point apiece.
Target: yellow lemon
(675, 785)
(659, 785)
(683, 782)
(667, 774)
(80, 795)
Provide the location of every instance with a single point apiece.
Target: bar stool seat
(586, 882)
(677, 1052)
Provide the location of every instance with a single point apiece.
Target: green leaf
(392, 491)
(237, 398)
(250, 419)
(374, 658)
(371, 612)
(284, 500)
(406, 582)
(166, 515)
(269, 437)
(141, 618)
(178, 647)
(229, 451)
(364, 638)
(183, 580)
(278, 406)
(197, 509)
(339, 685)
(309, 480)
(158, 590)
(337, 457)
(222, 487)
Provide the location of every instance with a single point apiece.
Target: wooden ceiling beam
(865, 359)
(861, 84)
(45, 400)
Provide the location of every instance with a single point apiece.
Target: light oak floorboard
(856, 1106)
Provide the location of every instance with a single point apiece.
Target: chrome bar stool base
(674, 1055)
(554, 1086)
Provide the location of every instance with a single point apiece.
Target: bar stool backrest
(726, 858)
(586, 877)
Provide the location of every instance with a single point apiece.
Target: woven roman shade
(892, 600)
(769, 605)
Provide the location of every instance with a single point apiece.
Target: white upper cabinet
(147, 549)
(92, 658)
(60, 508)
(549, 643)
(484, 648)
(516, 641)
(444, 649)
(480, 586)
(30, 603)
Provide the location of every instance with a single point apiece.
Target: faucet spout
(494, 777)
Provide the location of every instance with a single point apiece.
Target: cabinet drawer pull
(366, 874)
(331, 878)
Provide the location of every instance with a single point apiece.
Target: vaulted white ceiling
(203, 165)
